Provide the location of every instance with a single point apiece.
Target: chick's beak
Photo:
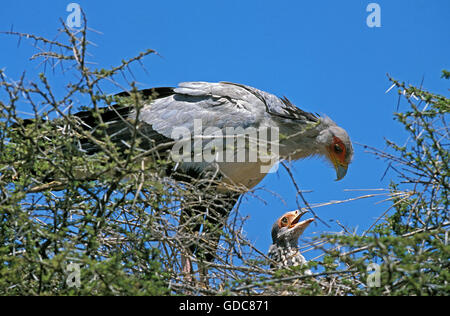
(298, 226)
(299, 215)
(305, 223)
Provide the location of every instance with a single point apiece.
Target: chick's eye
(284, 220)
(337, 148)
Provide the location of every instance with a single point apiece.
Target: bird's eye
(337, 148)
(284, 220)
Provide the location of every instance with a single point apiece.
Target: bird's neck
(287, 243)
(299, 142)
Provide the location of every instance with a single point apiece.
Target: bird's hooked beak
(339, 165)
(341, 170)
(340, 156)
(297, 226)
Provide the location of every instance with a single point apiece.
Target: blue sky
(320, 54)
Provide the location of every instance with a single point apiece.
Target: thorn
(393, 85)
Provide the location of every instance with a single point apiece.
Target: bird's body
(288, 256)
(211, 109)
(284, 250)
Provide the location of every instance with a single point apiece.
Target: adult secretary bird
(195, 107)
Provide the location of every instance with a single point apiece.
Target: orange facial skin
(338, 151)
(291, 220)
(337, 154)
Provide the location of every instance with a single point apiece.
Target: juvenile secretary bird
(211, 109)
(286, 231)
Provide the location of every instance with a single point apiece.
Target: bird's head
(321, 136)
(335, 146)
(288, 228)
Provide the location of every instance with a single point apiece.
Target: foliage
(410, 244)
(77, 223)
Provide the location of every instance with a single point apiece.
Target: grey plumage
(228, 105)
